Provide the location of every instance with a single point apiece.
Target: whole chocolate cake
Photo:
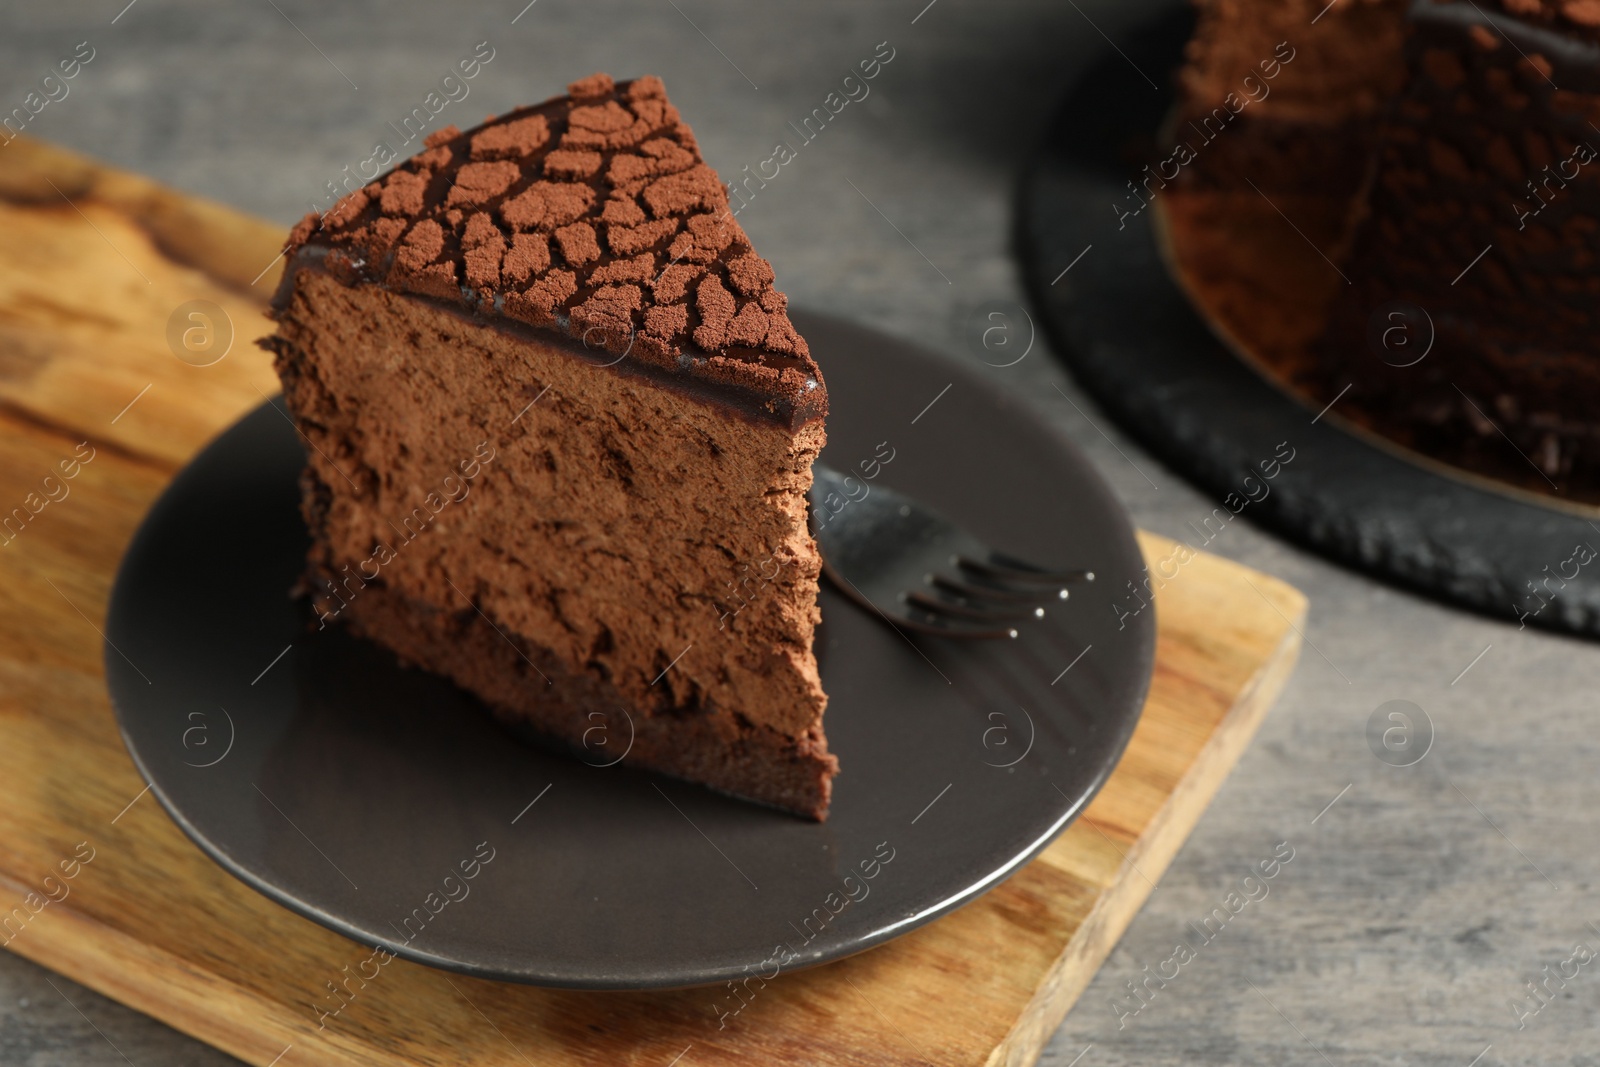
(560, 436)
(1436, 152)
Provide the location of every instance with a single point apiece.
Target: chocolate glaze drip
(591, 217)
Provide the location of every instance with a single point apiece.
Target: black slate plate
(346, 788)
(1132, 339)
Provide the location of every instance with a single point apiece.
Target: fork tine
(938, 605)
(945, 626)
(1004, 568)
(918, 570)
(955, 586)
(918, 619)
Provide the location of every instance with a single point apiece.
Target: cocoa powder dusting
(593, 214)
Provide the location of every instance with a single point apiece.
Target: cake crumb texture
(564, 539)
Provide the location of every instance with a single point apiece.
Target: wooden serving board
(92, 264)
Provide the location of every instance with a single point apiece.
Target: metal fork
(904, 560)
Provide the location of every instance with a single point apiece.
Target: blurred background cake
(1434, 156)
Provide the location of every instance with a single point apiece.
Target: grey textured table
(1416, 907)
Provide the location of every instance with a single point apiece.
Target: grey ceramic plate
(313, 767)
(1133, 340)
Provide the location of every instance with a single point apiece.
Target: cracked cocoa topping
(592, 215)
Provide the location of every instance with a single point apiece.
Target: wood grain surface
(92, 265)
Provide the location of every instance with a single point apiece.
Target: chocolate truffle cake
(560, 434)
(1454, 307)
(1484, 213)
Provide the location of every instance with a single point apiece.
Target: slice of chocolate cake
(561, 432)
